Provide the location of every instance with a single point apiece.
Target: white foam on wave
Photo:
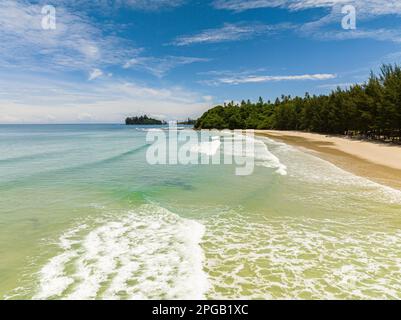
(302, 258)
(314, 170)
(150, 129)
(209, 148)
(259, 151)
(147, 254)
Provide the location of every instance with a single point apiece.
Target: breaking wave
(259, 151)
(149, 253)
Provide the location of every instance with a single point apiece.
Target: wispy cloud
(27, 99)
(367, 7)
(229, 32)
(76, 43)
(34, 92)
(323, 27)
(241, 5)
(107, 5)
(381, 34)
(242, 79)
(150, 4)
(95, 73)
(160, 66)
(333, 86)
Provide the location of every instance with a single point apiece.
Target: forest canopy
(372, 109)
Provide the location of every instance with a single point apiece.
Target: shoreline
(378, 162)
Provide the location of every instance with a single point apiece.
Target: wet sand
(376, 161)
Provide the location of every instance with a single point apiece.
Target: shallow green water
(83, 216)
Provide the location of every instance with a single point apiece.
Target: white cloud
(146, 5)
(27, 99)
(95, 73)
(229, 32)
(334, 86)
(152, 4)
(33, 92)
(76, 43)
(380, 34)
(208, 98)
(365, 9)
(243, 5)
(160, 66)
(241, 79)
(370, 7)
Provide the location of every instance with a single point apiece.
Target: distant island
(371, 110)
(143, 120)
(189, 121)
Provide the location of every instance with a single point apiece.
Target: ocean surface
(84, 216)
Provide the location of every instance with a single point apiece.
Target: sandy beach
(375, 161)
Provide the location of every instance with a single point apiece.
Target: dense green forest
(371, 110)
(143, 120)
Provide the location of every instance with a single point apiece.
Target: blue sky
(108, 59)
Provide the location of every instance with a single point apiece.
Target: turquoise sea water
(83, 216)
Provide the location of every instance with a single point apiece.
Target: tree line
(143, 120)
(371, 110)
